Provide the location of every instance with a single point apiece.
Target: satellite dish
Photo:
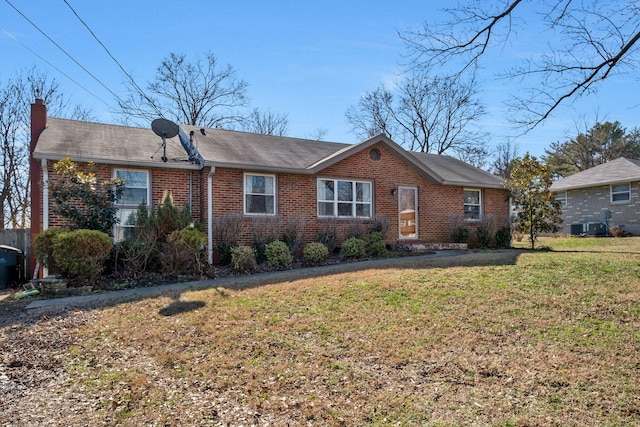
(165, 129)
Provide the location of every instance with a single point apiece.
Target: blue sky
(311, 60)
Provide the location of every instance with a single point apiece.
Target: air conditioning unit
(589, 229)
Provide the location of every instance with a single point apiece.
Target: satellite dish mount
(165, 129)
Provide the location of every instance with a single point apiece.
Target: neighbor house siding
(592, 205)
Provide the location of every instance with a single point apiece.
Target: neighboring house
(269, 178)
(604, 196)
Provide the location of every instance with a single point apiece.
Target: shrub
(243, 258)
(183, 252)
(314, 253)
(293, 235)
(225, 231)
(264, 231)
(168, 218)
(80, 253)
(461, 235)
(353, 248)
(458, 229)
(356, 229)
(84, 200)
(377, 246)
(503, 237)
(484, 232)
(380, 224)
(43, 248)
(617, 231)
(278, 254)
(328, 236)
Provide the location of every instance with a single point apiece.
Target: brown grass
(547, 338)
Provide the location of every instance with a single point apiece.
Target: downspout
(45, 204)
(210, 215)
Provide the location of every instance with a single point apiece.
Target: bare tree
(319, 134)
(16, 95)
(267, 123)
(373, 115)
(506, 153)
(431, 114)
(589, 42)
(197, 93)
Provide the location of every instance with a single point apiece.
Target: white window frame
(354, 198)
(246, 194)
(472, 204)
(562, 198)
(620, 192)
(118, 232)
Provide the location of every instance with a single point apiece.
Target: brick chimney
(38, 124)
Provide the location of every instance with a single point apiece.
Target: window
(472, 204)
(562, 198)
(136, 191)
(259, 194)
(620, 193)
(349, 199)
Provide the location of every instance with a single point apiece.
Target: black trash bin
(10, 259)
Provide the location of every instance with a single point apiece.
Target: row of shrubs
(278, 254)
(166, 241)
(488, 232)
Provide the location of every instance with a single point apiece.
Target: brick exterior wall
(591, 205)
(296, 196)
(174, 181)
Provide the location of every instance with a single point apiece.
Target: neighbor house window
(620, 193)
(136, 192)
(259, 194)
(562, 198)
(472, 204)
(348, 199)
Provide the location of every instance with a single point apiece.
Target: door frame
(402, 207)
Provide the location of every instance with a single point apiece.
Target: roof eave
(247, 166)
(117, 162)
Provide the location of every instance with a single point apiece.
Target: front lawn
(504, 338)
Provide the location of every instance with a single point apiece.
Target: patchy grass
(550, 339)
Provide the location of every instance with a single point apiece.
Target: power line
(135, 85)
(55, 68)
(64, 51)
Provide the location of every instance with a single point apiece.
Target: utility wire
(64, 51)
(135, 85)
(55, 68)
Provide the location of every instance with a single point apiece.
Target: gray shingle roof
(105, 143)
(132, 146)
(619, 170)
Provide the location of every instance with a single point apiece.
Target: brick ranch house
(260, 177)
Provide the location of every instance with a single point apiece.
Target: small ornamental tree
(82, 199)
(538, 211)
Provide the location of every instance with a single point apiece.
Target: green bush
(353, 248)
(81, 253)
(314, 253)
(183, 252)
(377, 246)
(278, 254)
(243, 258)
(43, 248)
(484, 236)
(461, 235)
(503, 237)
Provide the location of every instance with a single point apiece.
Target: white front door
(408, 213)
